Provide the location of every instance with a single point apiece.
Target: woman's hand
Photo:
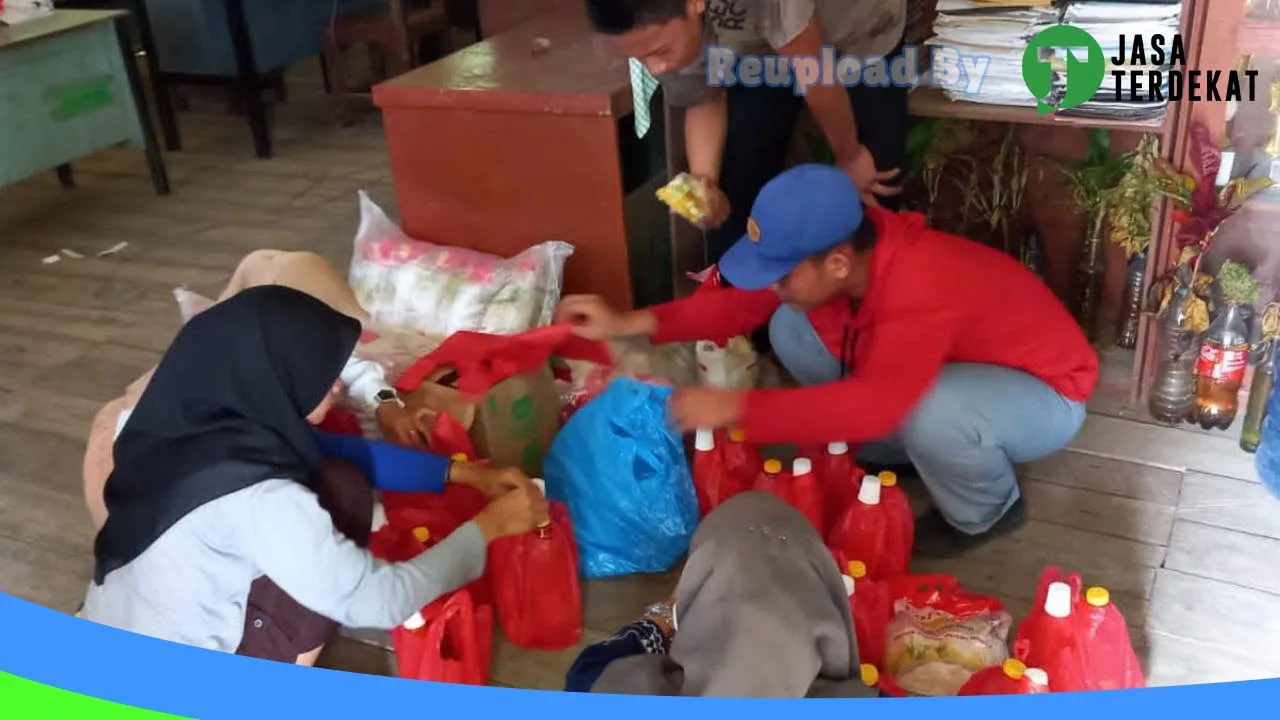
(516, 512)
(593, 319)
(493, 482)
(403, 426)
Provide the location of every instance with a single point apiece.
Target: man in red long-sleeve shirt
(906, 341)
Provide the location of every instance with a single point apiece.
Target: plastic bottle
(1224, 355)
(713, 481)
(864, 531)
(1052, 636)
(806, 493)
(898, 508)
(1111, 663)
(840, 480)
(1264, 382)
(870, 675)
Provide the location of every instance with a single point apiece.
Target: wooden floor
(1174, 522)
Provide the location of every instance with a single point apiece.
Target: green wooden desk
(69, 87)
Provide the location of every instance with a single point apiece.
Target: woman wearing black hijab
(216, 536)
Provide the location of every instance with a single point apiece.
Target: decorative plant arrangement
(1130, 206)
(1183, 313)
(932, 143)
(999, 202)
(1092, 180)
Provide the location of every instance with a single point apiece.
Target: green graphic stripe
(25, 700)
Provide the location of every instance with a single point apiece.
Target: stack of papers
(1107, 21)
(995, 33)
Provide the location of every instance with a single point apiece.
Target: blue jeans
(963, 437)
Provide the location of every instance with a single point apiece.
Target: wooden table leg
(248, 80)
(159, 85)
(155, 156)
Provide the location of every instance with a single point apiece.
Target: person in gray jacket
(222, 532)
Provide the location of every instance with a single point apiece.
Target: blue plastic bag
(623, 474)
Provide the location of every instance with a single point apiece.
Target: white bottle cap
(848, 585)
(801, 466)
(1037, 676)
(379, 516)
(1057, 601)
(869, 493)
(704, 440)
(541, 485)
(415, 623)
(837, 448)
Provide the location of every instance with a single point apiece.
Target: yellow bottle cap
(544, 524)
(421, 534)
(870, 675)
(857, 569)
(888, 478)
(1097, 596)
(1014, 669)
(459, 457)
(737, 435)
(773, 467)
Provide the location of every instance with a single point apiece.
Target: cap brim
(745, 267)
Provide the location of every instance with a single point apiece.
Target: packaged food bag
(724, 362)
(940, 635)
(536, 590)
(623, 474)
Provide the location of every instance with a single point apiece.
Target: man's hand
(403, 426)
(693, 408)
(861, 167)
(716, 204)
(593, 319)
(514, 513)
(493, 482)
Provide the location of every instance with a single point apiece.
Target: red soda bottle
(840, 478)
(805, 493)
(898, 508)
(1224, 355)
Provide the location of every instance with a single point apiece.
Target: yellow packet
(684, 195)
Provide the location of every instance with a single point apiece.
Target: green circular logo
(1084, 75)
(522, 408)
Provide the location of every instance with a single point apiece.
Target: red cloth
(933, 298)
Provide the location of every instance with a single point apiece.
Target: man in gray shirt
(737, 136)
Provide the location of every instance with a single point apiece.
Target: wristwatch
(662, 614)
(387, 396)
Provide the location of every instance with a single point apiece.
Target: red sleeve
(904, 358)
(713, 314)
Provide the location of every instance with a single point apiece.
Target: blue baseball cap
(804, 211)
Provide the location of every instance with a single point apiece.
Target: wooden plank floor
(1174, 522)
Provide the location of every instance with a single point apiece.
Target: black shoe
(937, 539)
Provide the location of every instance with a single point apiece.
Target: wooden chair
(394, 35)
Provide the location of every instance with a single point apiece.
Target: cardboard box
(513, 424)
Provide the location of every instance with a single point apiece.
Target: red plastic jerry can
(1011, 678)
(898, 508)
(841, 479)
(806, 494)
(865, 530)
(712, 479)
(872, 609)
(741, 459)
(1111, 663)
(535, 581)
(1052, 633)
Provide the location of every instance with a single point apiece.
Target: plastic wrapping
(440, 290)
(624, 476)
(536, 586)
(724, 362)
(940, 635)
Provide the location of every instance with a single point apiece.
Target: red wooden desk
(497, 148)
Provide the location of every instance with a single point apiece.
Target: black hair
(615, 17)
(862, 240)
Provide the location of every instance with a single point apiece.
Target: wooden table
(69, 87)
(498, 147)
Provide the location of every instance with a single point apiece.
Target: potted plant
(1129, 220)
(1200, 210)
(1092, 180)
(932, 143)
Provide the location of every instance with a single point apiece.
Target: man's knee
(940, 422)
